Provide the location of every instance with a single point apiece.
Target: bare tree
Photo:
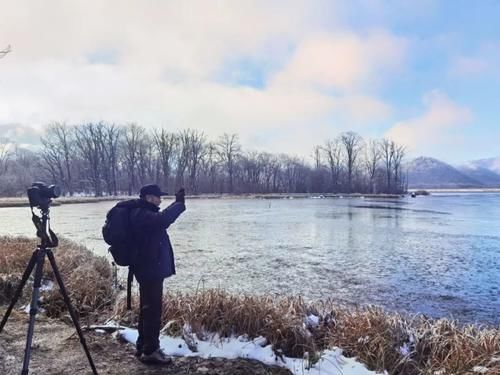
(146, 161)
(183, 150)
(372, 159)
(131, 144)
(399, 154)
(109, 155)
(352, 143)
(229, 149)
(275, 169)
(165, 144)
(293, 174)
(387, 148)
(89, 141)
(5, 155)
(58, 153)
(317, 151)
(333, 154)
(26, 166)
(252, 168)
(270, 169)
(265, 173)
(196, 150)
(209, 165)
(102, 157)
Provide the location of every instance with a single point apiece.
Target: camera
(40, 195)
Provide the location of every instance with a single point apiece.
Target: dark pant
(151, 293)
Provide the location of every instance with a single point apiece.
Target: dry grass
(87, 277)
(374, 336)
(431, 346)
(371, 334)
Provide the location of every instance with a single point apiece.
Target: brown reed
(394, 342)
(383, 341)
(87, 277)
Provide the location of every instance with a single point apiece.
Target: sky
(284, 75)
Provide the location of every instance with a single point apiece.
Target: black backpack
(118, 233)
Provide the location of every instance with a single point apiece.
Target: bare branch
(5, 51)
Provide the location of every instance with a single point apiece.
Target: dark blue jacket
(156, 256)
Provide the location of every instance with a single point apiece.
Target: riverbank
(23, 201)
(450, 190)
(289, 327)
(57, 350)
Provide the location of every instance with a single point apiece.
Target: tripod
(48, 242)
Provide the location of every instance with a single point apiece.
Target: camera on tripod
(40, 195)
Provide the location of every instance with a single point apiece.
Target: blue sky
(286, 76)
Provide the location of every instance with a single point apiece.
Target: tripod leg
(72, 313)
(17, 294)
(40, 258)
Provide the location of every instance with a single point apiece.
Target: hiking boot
(156, 358)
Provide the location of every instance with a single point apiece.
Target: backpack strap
(130, 279)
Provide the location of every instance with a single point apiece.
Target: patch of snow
(331, 362)
(312, 321)
(480, 369)
(405, 349)
(47, 285)
(27, 308)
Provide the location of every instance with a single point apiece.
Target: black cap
(151, 189)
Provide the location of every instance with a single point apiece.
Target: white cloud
(484, 62)
(163, 59)
(441, 121)
(364, 109)
(342, 60)
(470, 65)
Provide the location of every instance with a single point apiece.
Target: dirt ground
(57, 350)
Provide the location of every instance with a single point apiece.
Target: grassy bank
(382, 340)
(88, 278)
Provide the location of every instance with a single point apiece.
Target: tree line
(108, 159)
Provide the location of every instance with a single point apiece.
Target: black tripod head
(40, 196)
(42, 224)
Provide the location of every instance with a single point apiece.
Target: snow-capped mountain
(426, 172)
(492, 164)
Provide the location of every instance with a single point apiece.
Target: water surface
(439, 255)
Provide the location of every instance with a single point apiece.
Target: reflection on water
(438, 255)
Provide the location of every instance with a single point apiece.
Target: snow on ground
(332, 362)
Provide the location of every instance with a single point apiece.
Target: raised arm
(160, 220)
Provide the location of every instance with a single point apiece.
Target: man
(155, 263)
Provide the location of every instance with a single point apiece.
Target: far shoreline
(460, 190)
(6, 202)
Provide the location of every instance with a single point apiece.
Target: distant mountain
(428, 173)
(493, 164)
(485, 176)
